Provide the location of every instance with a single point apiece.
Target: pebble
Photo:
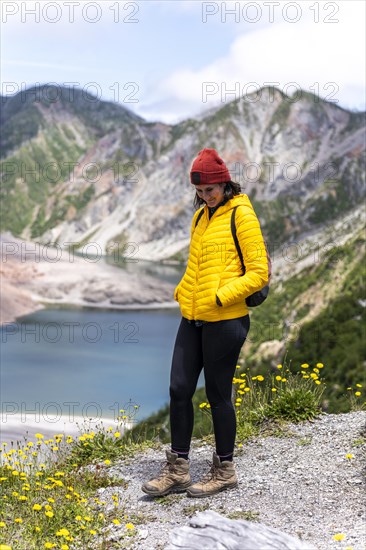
(311, 489)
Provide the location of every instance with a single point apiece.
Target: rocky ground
(34, 276)
(302, 484)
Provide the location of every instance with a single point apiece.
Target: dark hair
(231, 188)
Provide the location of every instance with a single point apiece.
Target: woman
(214, 325)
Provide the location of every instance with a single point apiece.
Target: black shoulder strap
(199, 216)
(233, 231)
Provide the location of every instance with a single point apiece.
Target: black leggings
(215, 347)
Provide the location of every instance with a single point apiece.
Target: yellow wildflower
(338, 536)
(62, 533)
(130, 526)
(304, 366)
(116, 522)
(349, 456)
(357, 393)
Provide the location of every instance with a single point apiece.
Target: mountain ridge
(319, 145)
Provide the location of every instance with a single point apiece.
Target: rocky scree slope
(301, 483)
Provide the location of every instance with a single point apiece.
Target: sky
(170, 60)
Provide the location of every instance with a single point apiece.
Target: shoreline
(31, 284)
(17, 427)
(79, 305)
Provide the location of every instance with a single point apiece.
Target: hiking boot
(220, 477)
(174, 476)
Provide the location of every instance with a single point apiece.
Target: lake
(88, 362)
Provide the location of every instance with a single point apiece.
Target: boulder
(212, 531)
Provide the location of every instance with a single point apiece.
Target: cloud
(326, 58)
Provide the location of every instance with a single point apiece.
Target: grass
(189, 511)
(50, 495)
(49, 492)
(304, 441)
(243, 514)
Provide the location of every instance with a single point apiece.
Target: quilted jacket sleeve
(253, 249)
(176, 290)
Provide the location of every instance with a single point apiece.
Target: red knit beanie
(208, 167)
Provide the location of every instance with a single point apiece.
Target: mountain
(104, 174)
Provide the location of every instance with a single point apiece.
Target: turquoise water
(88, 362)
(68, 362)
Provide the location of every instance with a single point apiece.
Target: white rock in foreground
(212, 531)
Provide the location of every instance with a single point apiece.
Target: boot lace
(211, 474)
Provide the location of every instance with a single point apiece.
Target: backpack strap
(199, 216)
(233, 231)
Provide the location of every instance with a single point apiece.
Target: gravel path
(302, 484)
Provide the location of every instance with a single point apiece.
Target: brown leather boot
(174, 476)
(220, 477)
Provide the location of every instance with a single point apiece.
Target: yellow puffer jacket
(214, 267)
